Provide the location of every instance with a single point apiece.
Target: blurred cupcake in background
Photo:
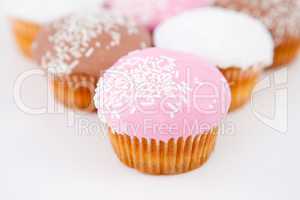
(78, 48)
(151, 12)
(240, 45)
(163, 110)
(282, 17)
(27, 17)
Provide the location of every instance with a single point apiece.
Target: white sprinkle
(89, 52)
(143, 45)
(74, 64)
(176, 74)
(172, 115)
(74, 34)
(132, 110)
(155, 77)
(98, 44)
(173, 107)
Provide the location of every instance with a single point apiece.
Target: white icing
(73, 36)
(227, 38)
(40, 11)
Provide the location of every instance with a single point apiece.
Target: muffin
(282, 17)
(27, 19)
(151, 12)
(76, 49)
(163, 110)
(238, 44)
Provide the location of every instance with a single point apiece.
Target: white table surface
(44, 158)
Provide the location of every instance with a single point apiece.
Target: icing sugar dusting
(73, 36)
(145, 79)
(282, 17)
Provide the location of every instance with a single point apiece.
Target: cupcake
(151, 12)
(163, 110)
(27, 19)
(238, 44)
(282, 17)
(76, 49)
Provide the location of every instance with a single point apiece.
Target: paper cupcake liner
(164, 158)
(25, 33)
(75, 91)
(242, 83)
(286, 52)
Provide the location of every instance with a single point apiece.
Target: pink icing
(152, 12)
(161, 94)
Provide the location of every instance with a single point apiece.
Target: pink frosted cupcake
(163, 109)
(151, 12)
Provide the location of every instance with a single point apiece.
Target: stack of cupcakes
(164, 104)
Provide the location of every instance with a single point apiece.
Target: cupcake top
(282, 17)
(227, 38)
(161, 94)
(38, 11)
(152, 12)
(87, 42)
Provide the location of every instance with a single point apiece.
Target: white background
(42, 158)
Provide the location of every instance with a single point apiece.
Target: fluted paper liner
(242, 83)
(286, 52)
(75, 91)
(25, 33)
(164, 158)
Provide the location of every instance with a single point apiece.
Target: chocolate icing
(91, 44)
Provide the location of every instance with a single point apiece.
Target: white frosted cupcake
(238, 44)
(28, 16)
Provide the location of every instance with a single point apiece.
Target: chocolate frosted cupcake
(27, 18)
(238, 44)
(282, 17)
(163, 109)
(78, 48)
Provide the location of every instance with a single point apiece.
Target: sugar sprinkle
(74, 36)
